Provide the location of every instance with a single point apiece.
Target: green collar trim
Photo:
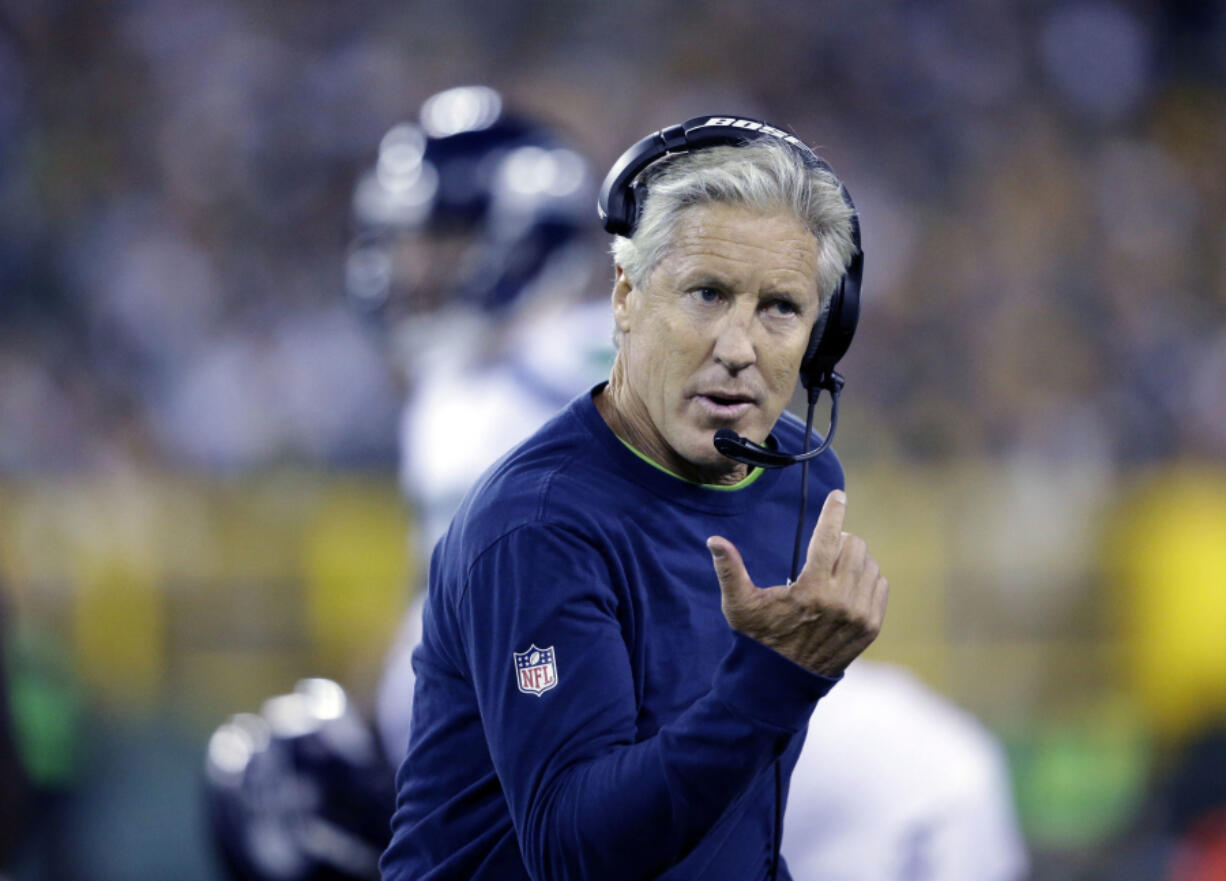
(754, 473)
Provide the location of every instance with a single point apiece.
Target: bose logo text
(754, 126)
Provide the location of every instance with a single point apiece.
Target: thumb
(735, 585)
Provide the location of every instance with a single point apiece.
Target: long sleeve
(589, 797)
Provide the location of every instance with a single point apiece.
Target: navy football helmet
(301, 791)
(469, 208)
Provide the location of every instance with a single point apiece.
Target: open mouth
(725, 401)
(725, 406)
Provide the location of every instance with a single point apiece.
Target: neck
(627, 417)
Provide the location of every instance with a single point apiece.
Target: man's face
(715, 336)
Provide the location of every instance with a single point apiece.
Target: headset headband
(618, 205)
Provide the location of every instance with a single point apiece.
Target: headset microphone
(745, 451)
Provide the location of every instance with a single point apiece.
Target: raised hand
(829, 615)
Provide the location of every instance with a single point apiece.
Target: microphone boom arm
(743, 450)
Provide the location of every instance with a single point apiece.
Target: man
(597, 695)
(864, 805)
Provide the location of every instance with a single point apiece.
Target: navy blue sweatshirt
(582, 708)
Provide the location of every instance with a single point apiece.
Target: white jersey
(893, 784)
(465, 412)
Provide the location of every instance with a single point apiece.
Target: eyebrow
(707, 280)
(705, 277)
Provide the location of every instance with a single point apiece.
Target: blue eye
(783, 307)
(707, 295)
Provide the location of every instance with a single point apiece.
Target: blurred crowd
(1043, 199)
(1041, 187)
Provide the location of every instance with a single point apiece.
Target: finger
(827, 537)
(867, 579)
(866, 585)
(881, 597)
(852, 557)
(735, 585)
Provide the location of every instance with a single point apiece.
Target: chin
(701, 453)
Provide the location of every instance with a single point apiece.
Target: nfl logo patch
(536, 670)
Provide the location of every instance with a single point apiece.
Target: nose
(734, 348)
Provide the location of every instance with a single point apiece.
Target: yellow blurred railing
(1014, 591)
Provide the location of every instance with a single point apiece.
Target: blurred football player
(299, 791)
(474, 255)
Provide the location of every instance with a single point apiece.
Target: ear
(623, 288)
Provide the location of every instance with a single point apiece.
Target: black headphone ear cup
(832, 335)
(811, 367)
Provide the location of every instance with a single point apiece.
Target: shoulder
(549, 480)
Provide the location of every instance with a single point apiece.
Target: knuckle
(872, 571)
(864, 621)
(840, 611)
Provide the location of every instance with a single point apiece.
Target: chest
(675, 632)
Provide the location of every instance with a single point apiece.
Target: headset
(622, 196)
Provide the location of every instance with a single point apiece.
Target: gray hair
(765, 175)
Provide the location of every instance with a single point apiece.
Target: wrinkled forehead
(738, 239)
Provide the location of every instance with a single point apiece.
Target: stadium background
(197, 500)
